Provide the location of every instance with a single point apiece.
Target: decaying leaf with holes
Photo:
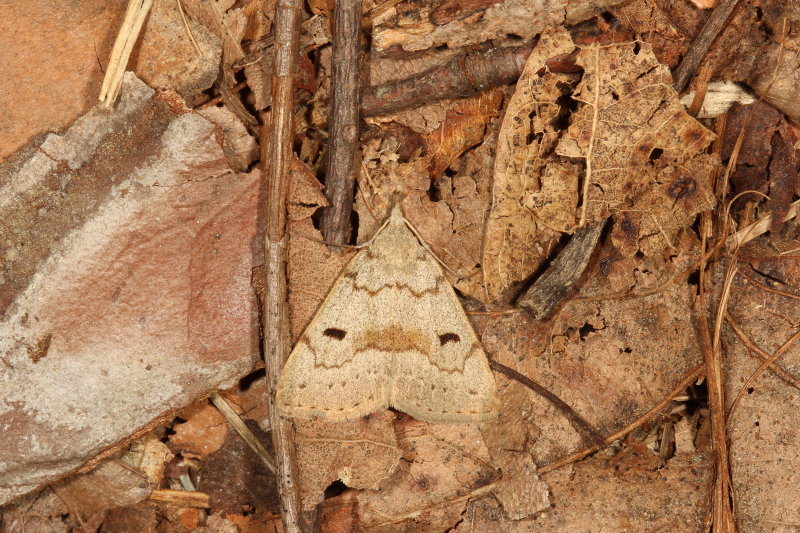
(517, 241)
(617, 142)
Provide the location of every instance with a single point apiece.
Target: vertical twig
(343, 121)
(276, 146)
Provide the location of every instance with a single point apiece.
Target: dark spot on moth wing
(335, 333)
(449, 337)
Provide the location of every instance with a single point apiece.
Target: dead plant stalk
(276, 154)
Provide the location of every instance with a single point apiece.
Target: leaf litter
(495, 185)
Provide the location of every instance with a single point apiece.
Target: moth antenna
(311, 238)
(427, 247)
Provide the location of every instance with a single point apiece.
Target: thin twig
(276, 154)
(238, 425)
(699, 47)
(462, 76)
(343, 122)
(775, 368)
(780, 351)
(684, 383)
(577, 421)
(181, 498)
(188, 29)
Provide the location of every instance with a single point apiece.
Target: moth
(390, 333)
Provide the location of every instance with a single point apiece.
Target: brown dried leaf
(444, 465)
(259, 18)
(258, 522)
(203, 433)
(764, 425)
(631, 130)
(236, 478)
(112, 484)
(166, 56)
(516, 241)
(239, 147)
(362, 454)
(591, 497)
(142, 517)
(464, 126)
(227, 24)
(639, 350)
(641, 153)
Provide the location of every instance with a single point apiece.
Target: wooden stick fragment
(343, 122)
(553, 285)
(699, 48)
(181, 498)
(462, 76)
(276, 153)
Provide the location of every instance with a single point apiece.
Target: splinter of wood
(552, 287)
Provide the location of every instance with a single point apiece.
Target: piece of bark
(344, 122)
(547, 292)
(463, 76)
(417, 25)
(783, 176)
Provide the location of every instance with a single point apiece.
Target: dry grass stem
(123, 46)
(241, 428)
